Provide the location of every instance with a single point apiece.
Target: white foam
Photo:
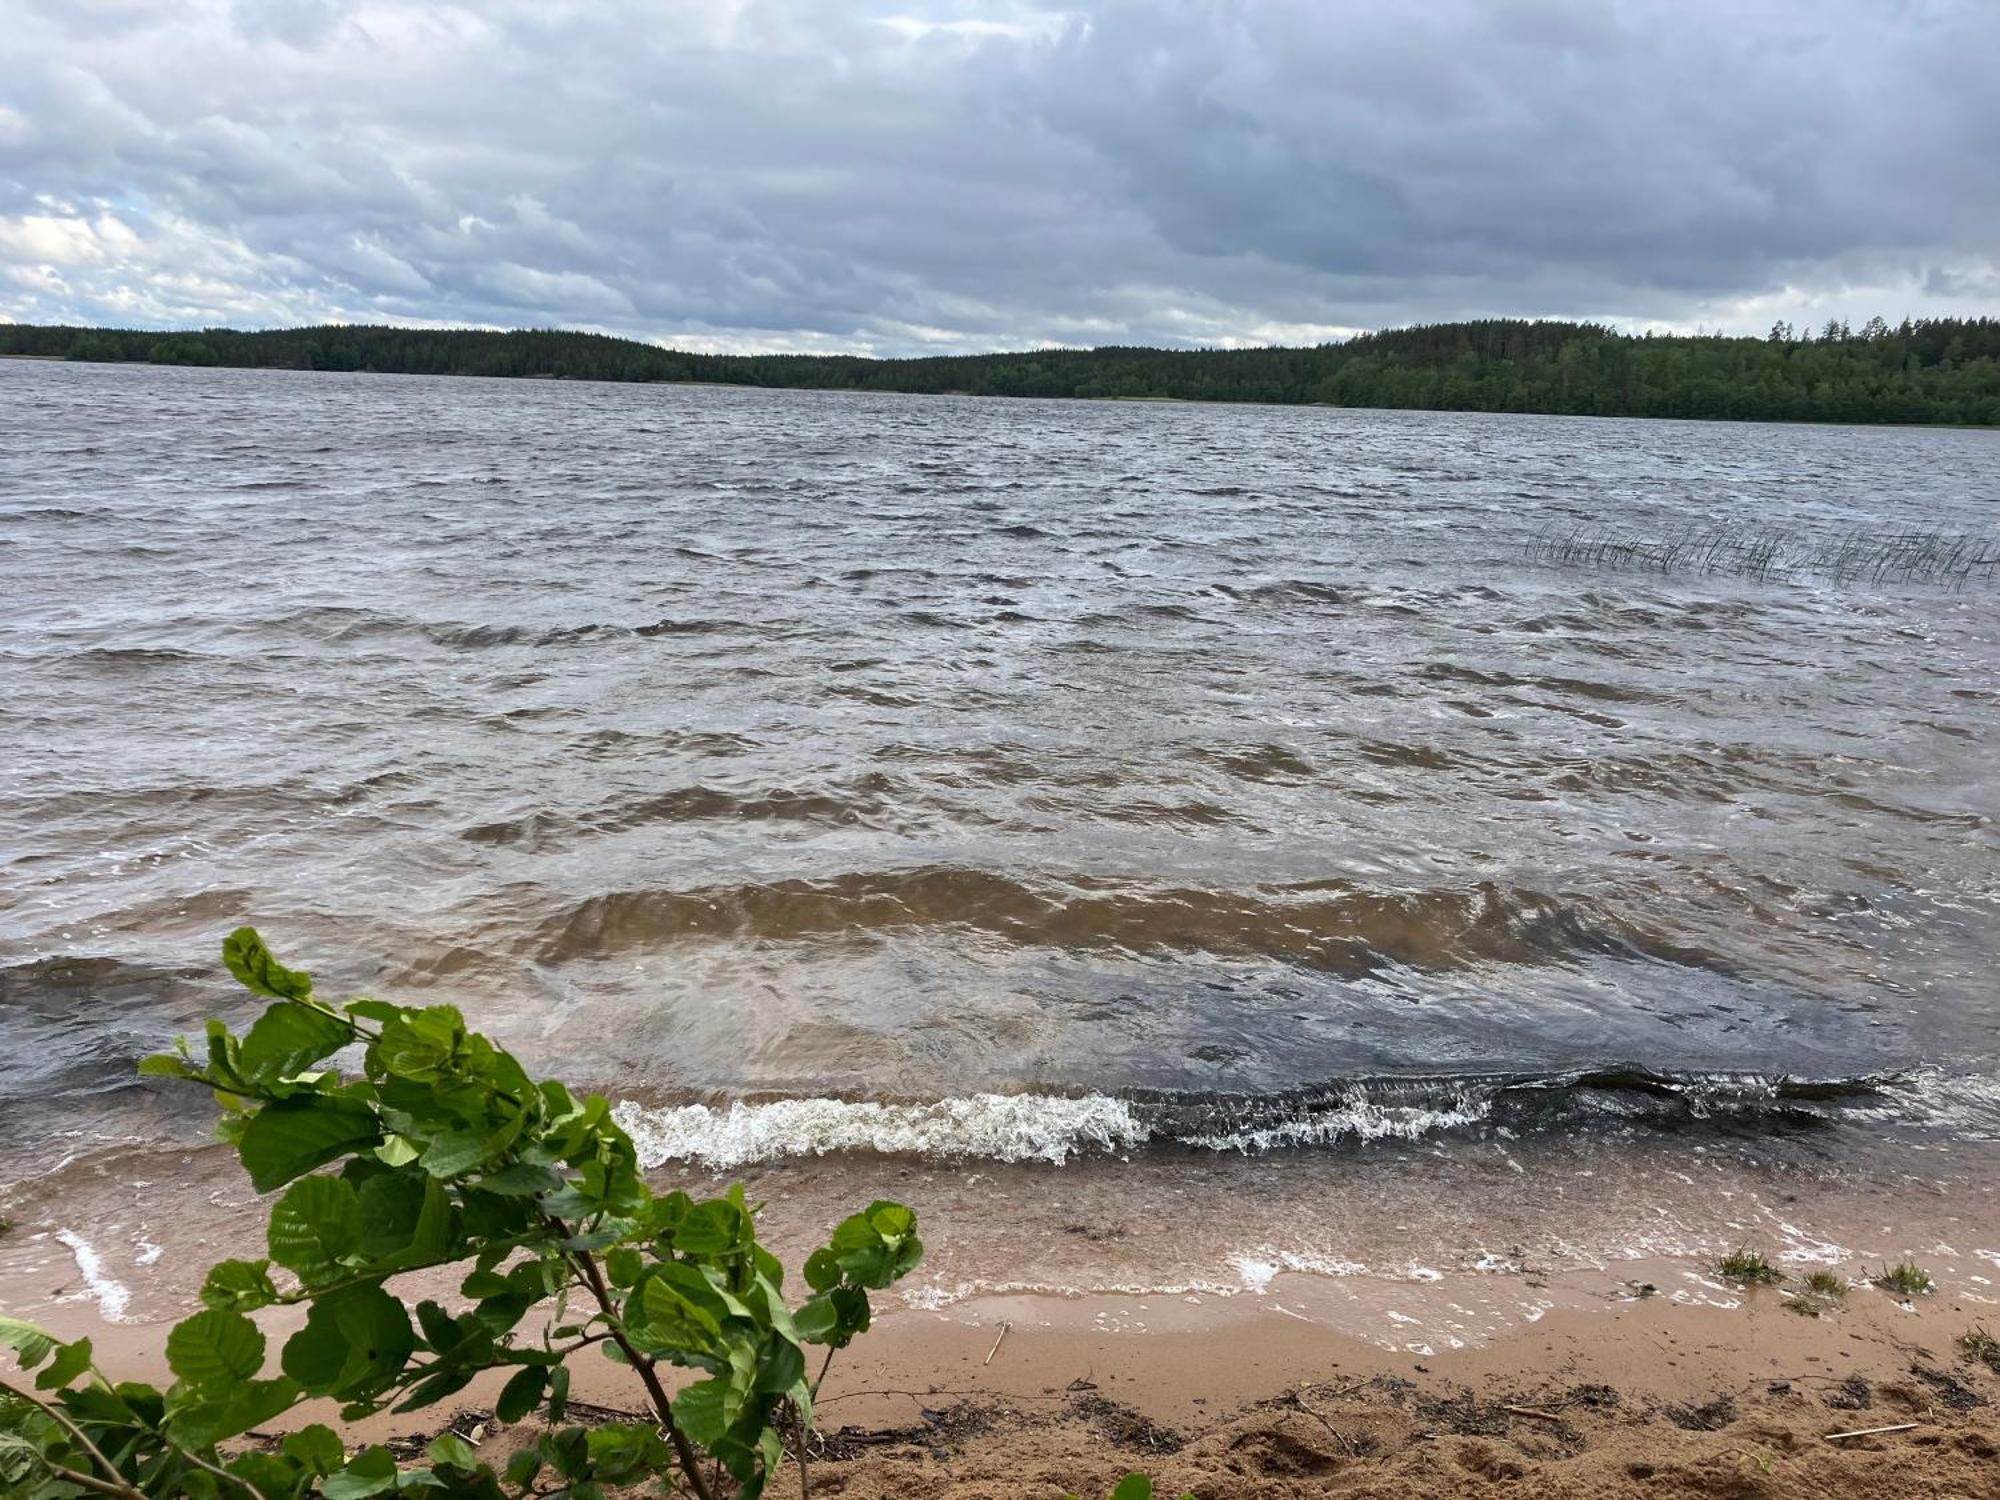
(1357, 1118)
(113, 1296)
(1001, 1127)
(1256, 1274)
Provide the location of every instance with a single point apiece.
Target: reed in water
(1953, 559)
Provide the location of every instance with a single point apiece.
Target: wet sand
(1638, 1374)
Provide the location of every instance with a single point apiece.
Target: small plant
(1978, 1344)
(1135, 1487)
(447, 1154)
(1905, 1279)
(1750, 1268)
(1826, 1284)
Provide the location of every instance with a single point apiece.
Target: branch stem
(586, 1267)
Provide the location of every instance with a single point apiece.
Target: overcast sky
(905, 177)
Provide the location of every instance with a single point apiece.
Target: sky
(907, 177)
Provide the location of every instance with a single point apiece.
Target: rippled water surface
(1233, 773)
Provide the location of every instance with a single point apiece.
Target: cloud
(973, 174)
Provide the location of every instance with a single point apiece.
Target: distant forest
(1935, 370)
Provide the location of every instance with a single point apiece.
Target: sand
(1648, 1395)
(1647, 1375)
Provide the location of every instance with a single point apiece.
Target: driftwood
(1834, 1437)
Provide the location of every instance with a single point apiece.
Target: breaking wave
(1054, 1128)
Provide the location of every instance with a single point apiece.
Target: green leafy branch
(440, 1150)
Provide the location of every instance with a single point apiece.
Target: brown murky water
(1208, 798)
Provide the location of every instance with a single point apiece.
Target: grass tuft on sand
(1749, 1267)
(1906, 1279)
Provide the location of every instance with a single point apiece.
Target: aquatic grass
(1826, 1284)
(1773, 554)
(1749, 1267)
(1906, 1279)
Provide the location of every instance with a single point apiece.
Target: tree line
(1930, 370)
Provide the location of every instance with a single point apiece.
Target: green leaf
(558, 1392)
(440, 1329)
(670, 1321)
(316, 1448)
(816, 1321)
(379, 1011)
(702, 1410)
(230, 1408)
(239, 1285)
(453, 1153)
(891, 1220)
(781, 1364)
(419, 1044)
(1133, 1487)
(822, 1270)
(623, 1265)
(290, 1137)
(373, 1472)
(31, 1345)
(71, 1361)
(453, 1451)
(520, 1395)
(215, 1347)
(271, 1474)
(288, 1039)
(712, 1228)
(19, 1458)
(254, 967)
(353, 1344)
(314, 1227)
(520, 1179)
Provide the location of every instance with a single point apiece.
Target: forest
(1933, 370)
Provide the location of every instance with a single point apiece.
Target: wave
(1055, 1128)
(1330, 926)
(997, 1127)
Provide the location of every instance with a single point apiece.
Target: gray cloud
(933, 175)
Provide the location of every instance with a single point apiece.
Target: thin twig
(1529, 1411)
(1834, 1437)
(824, 1365)
(996, 1343)
(922, 1395)
(236, 1479)
(1339, 1436)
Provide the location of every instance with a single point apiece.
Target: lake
(1013, 781)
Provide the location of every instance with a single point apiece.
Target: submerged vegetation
(448, 1154)
(1931, 370)
(1764, 554)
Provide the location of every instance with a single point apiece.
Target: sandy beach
(1534, 1372)
(1643, 1395)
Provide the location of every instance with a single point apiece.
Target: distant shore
(1930, 372)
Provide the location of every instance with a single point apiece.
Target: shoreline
(1554, 1358)
(1043, 1397)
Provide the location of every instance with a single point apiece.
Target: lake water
(1025, 780)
